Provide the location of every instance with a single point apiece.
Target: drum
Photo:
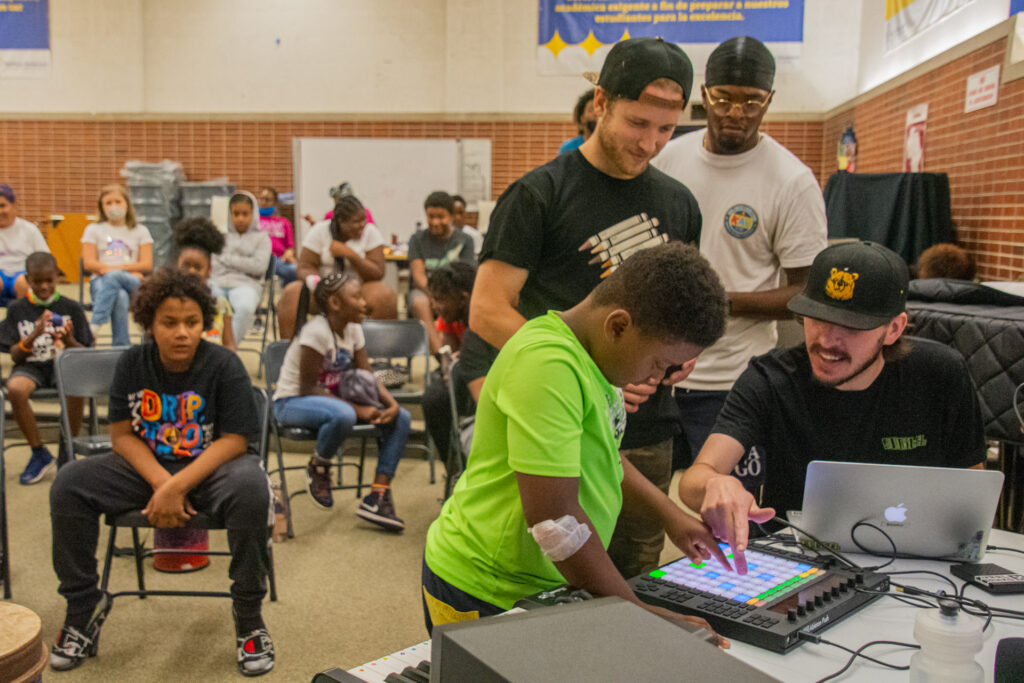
(180, 538)
(23, 654)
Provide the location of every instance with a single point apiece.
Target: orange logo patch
(840, 284)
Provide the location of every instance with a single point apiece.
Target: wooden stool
(23, 654)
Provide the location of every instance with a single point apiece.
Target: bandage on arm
(560, 539)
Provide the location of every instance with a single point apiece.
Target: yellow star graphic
(625, 35)
(556, 44)
(590, 44)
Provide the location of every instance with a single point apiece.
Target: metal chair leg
(270, 573)
(284, 483)
(111, 540)
(138, 560)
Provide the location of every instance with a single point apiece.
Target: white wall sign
(982, 89)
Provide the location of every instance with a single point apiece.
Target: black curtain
(907, 212)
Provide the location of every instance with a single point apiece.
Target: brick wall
(58, 166)
(983, 153)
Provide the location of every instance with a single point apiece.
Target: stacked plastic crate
(154, 192)
(196, 198)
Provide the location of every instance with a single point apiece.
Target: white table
(889, 619)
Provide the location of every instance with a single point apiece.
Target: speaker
(1010, 661)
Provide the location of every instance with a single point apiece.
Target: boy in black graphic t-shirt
(182, 415)
(33, 330)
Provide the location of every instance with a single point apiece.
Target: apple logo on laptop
(896, 515)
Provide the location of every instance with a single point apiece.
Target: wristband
(21, 345)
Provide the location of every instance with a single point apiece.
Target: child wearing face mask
(35, 327)
(118, 252)
(239, 269)
(279, 230)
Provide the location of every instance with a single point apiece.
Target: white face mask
(115, 213)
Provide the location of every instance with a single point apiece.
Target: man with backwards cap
(559, 229)
(857, 390)
(18, 239)
(763, 216)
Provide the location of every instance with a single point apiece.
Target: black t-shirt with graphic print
(179, 414)
(21, 319)
(921, 410)
(543, 219)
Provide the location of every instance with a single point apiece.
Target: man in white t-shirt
(764, 217)
(18, 239)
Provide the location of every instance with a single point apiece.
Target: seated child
(18, 239)
(346, 243)
(459, 221)
(198, 239)
(430, 249)
(182, 415)
(239, 269)
(119, 253)
(450, 288)
(322, 355)
(35, 327)
(545, 483)
(279, 230)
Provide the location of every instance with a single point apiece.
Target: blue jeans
(285, 271)
(244, 299)
(111, 295)
(334, 419)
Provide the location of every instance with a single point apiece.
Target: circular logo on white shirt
(741, 221)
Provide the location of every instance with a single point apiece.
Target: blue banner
(602, 23)
(1016, 6)
(25, 25)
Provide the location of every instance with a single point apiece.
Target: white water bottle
(949, 641)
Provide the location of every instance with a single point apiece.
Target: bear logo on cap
(840, 284)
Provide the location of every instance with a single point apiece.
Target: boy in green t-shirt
(544, 485)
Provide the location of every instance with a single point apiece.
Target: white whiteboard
(391, 177)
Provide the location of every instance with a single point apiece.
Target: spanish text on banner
(574, 36)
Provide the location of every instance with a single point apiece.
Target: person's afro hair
(167, 283)
(198, 233)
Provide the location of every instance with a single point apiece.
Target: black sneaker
(379, 508)
(318, 483)
(74, 645)
(255, 652)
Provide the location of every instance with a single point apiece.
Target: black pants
(236, 494)
(437, 412)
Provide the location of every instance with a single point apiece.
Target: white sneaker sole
(386, 522)
(309, 490)
(42, 473)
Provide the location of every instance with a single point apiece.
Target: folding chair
(89, 373)
(269, 310)
(273, 359)
(135, 520)
(455, 460)
(390, 339)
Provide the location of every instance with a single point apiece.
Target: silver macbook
(935, 512)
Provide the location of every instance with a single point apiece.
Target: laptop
(934, 512)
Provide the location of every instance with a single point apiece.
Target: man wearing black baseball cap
(857, 391)
(558, 230)
(764, 218)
